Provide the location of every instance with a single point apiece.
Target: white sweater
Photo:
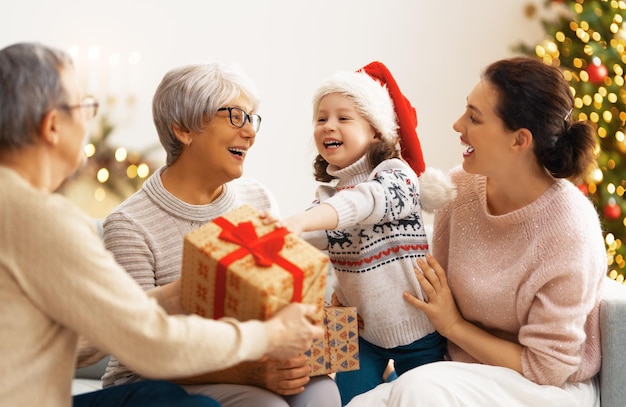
(374, 247)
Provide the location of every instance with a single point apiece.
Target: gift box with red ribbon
(235, 266)
(338, 351)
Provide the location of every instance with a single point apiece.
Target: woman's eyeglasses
(238, 117)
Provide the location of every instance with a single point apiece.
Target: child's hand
(320, 217)
(334, 300)
(267, 218)
(291, 224)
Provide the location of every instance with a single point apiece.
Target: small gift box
(338, 351)
(235, 266)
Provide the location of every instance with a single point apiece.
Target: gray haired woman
(207, 121)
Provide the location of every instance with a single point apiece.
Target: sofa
(613, 336)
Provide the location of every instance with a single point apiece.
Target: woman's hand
(168, 297)
(446, 318)
(439, 306)
(284, 377)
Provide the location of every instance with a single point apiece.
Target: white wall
(434, 49)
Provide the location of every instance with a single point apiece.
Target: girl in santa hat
(368, 216)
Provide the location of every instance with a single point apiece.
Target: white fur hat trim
(371, 98)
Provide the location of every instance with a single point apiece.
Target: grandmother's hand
(440, 306)
(284, 377)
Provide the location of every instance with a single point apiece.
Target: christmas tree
(587, 40)
(110, 174)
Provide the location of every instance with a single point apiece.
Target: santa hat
(379, 99)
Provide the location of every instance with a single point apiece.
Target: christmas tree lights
(587, 40)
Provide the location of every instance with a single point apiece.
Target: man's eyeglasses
(89, 106)
(238, 117)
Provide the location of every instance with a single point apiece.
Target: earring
(189, 143)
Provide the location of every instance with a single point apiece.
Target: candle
(115, 85)
(79, 66)
(133, 74)
(93, 56)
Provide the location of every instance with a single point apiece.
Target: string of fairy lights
(110, 174)
(134, 168)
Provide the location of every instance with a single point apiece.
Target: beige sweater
(57, 281)
(532, 276)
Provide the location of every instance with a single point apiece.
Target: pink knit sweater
(532, 276)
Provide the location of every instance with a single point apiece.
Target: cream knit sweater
(532, 276)
(57, 282)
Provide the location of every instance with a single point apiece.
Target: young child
(368, 215)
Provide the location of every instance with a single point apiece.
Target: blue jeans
(147, 393)
(373, 360)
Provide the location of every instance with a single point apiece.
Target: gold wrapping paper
(244, 289)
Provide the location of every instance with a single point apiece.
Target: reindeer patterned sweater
(373, 250)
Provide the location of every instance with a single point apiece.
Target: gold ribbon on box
(265, 250)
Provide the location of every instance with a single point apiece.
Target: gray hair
(30, 86)
(188, 94)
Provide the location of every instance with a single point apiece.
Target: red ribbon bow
(265, 251)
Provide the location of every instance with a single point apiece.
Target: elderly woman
(206, 121)
(57, 281)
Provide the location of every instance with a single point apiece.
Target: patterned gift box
(235, 266)
(338, 351)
